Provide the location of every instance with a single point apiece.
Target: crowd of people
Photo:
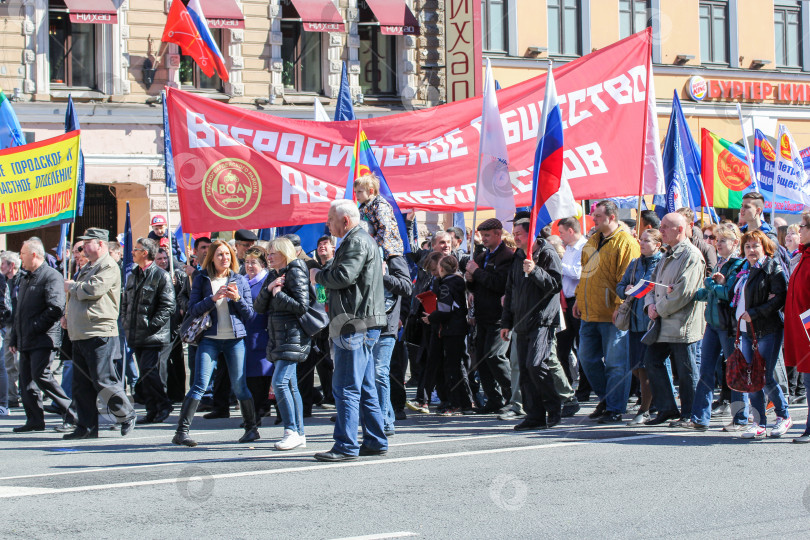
(522, 328)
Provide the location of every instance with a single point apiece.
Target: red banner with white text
(237, 168)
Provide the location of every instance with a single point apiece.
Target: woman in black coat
(285, 298)
(450, 317)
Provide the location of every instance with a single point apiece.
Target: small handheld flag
(806, 319)
(641, 289)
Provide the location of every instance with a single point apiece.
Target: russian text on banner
(38, 183)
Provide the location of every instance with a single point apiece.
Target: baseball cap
(158, 220)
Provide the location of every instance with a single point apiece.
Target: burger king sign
(697, 88)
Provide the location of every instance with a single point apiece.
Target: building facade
(283, 54)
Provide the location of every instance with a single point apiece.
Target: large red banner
(245, 169)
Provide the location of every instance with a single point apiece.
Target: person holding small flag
(678, 277)
(797, 315)
(632, 288)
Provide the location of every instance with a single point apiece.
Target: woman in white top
(220, 291)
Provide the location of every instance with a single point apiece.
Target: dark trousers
(260, 390)
(396, 376)
(222, 387)
(95, 378)
(432, 375)
(318, 360)
(152, 379)
(35, 375)
(795, 383)
(456, 361)
(536, 385)
(568, 339)
(492, 364)
(175, 371)
(684, 362)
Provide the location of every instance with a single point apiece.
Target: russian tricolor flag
(551, 195)
(641, 288)
(806, 319)
(195, 10)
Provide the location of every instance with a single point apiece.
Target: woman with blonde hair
(285, 298)
(222, 292)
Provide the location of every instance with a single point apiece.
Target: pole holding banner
(648, 64)
(747, 151)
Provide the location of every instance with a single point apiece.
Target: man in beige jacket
(680, 274)
(92, 324)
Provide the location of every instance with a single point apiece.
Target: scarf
(259, 277)
(742, 279)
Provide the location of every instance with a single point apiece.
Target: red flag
(180, 30)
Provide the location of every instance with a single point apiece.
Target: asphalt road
(463, 477)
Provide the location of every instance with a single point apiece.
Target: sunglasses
(80, 249)
(708, 237)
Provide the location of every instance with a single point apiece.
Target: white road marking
(179, 463)
(380, 536)
(7, 492)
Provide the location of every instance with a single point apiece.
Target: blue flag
(681, 160)
(72, 124)
(60, 247)
(265, 235)
(308, 234)
(458, 221)
(10, 131)
(128, 262)
(181, 241)
(344, 109)
(168, 162)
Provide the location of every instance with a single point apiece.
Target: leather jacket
(148, 307)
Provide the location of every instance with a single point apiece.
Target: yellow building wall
(604, 23)
(532, 25)
(756, 32)
(679, 20)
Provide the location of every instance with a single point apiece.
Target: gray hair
(345, 208)
(150, 246)
(437, 235)
(36, 247)
(12, 258)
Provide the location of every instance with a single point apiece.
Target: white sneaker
(781, 427)
(3, 411)
(754, 432)
(291, 440)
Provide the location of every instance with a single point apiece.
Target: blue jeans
(603, 353)
(207, 352)
(355, 393)
(715, 341)
(768, 346)
(67, 378)
(288, 399)
(3, 373)
(382, 365)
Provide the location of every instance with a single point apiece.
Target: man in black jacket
(486, 278)
(148, 306)
(36, 334)
(532, 310)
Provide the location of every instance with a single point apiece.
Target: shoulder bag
(315, 319)
(624, 312)
(193, 328)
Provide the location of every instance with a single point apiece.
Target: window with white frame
(714, 37)
(787, 22)
(495, 25)
(634, 16)
(564, 27)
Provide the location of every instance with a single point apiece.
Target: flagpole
(477, 176)
(747, 150)
(644, 131)
(169, 231)
(583, 217)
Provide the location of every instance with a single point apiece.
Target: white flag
(654, 182)
(320, 112)
(790, 178)
(494, 186)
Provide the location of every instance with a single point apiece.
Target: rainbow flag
(724, 170)
(641, 289)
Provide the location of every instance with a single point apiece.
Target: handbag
(315, 319)
(193, 328)
(624, 312)
(740, 375)
(653, 330)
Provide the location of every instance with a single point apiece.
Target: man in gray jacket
(92, 324)
(680, 275)
(356, 314)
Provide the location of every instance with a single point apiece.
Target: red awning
(395, 17)
(319, 16)
(92, 11)
(222, 14)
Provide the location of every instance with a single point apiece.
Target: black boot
(184, 423)
(249, 415)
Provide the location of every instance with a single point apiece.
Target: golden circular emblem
(231, 188)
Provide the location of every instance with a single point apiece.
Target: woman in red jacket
(797, 343)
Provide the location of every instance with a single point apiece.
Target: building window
(192, 77)
(495, 25)
(714, 32)
(377, 55)
(71, 49)
(634, 16)
(564, 23)
(787, 32)
(301, 54)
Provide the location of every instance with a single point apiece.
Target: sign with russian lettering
(237, 168)
(700, 89)
(462, 49)
(38, 183)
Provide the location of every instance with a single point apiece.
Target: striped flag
(806, 319)
(641, 289)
